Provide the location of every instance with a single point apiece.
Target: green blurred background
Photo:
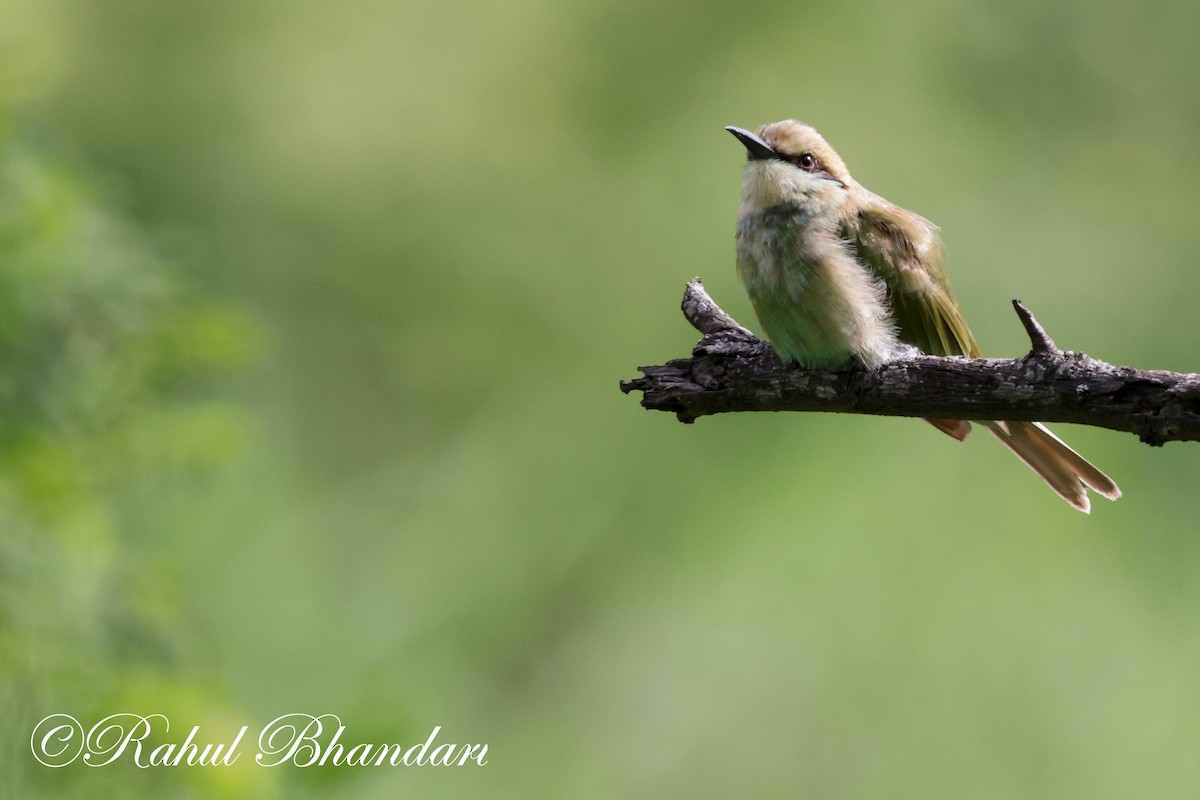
(311, 322)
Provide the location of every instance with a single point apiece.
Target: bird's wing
(904, 249)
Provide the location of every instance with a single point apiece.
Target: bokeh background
(311, 322)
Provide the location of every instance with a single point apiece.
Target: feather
(904, 250)
(1068, 473)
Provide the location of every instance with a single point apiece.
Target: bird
(838, 276)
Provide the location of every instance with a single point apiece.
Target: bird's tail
(1068, 473)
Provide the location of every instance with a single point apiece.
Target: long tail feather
(1068, 473)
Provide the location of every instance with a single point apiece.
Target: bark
(731, 370)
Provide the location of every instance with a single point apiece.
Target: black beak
(757, 149)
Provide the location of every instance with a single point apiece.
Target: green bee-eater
(837, 275)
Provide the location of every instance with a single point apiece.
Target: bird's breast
(780, 249)
(817, 304)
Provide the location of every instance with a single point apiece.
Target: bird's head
(790, 163)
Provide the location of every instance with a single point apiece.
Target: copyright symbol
(57, 740)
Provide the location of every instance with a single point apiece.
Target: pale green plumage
(818, 306)
(837, 274)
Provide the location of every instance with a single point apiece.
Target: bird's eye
(807, 162)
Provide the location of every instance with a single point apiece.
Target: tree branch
(731, 370)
